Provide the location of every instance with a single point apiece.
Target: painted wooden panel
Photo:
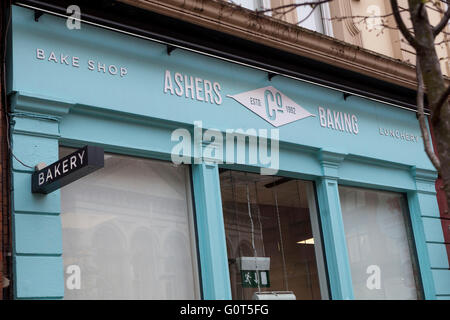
(442, 281)
(39, 277)
(37, 234)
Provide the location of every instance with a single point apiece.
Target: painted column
(211, 232)
(428, 237)
(36, 222)
(333, 227)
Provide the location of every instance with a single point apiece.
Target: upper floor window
(315, 17)
(253, 4)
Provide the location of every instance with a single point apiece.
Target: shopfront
(219, 182)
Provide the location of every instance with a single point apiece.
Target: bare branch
(441, 25)
(401, 25)
(422, 120)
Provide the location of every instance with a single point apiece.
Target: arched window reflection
(127, 227)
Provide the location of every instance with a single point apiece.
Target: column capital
(425, 179)
(330, 162)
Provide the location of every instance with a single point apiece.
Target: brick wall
(5, 240)
(443, 207)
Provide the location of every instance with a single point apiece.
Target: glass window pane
(249, 4)
(127, 229)
(273, 219)
(379, 244)
(309, 16)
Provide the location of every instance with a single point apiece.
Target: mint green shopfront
(349, 211)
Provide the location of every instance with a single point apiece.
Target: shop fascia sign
(269, 103)
(67, 170)
(272, 105)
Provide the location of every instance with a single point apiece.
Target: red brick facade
(5, 241)
(443, 208)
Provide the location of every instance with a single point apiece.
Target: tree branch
(401, 25)
(422, 120)
(441, 25)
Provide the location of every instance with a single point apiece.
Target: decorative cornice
(247, 24)
(424, 174)
(35, 103)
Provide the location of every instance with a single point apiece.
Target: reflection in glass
(128, 227)
(273, 217)
(379, 244)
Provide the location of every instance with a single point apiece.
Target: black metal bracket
(37, 15)
(270, 75)
(170, 49)
(346, 95)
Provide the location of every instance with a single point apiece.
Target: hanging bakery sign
(68, 169)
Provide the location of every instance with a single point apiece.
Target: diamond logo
(272, 105)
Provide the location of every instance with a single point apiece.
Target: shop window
(272, 236)
(380, 244)
(128, 232)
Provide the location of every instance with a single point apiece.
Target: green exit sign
(255, 279)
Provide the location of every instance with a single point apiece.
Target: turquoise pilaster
(211, 232)
(333, 226)
(36, 223)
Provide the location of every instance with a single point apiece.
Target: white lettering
(348, 122)
(65, 166)
(199, 89)
(52, 57)
(179, 82)
(57, 173)
(208, 91)
(40, 54)
(76, 62)
(101, 66)
(168, 82)
(91, 65)
(330, 123)
(49, 175)
(81, 156)
(41, 178)
(189, 87)
(63, 59)
(355, 124)
(322, 117)
(218, 98)
(112, 69)
(337, 122)
(73, 162)
(123, 71)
